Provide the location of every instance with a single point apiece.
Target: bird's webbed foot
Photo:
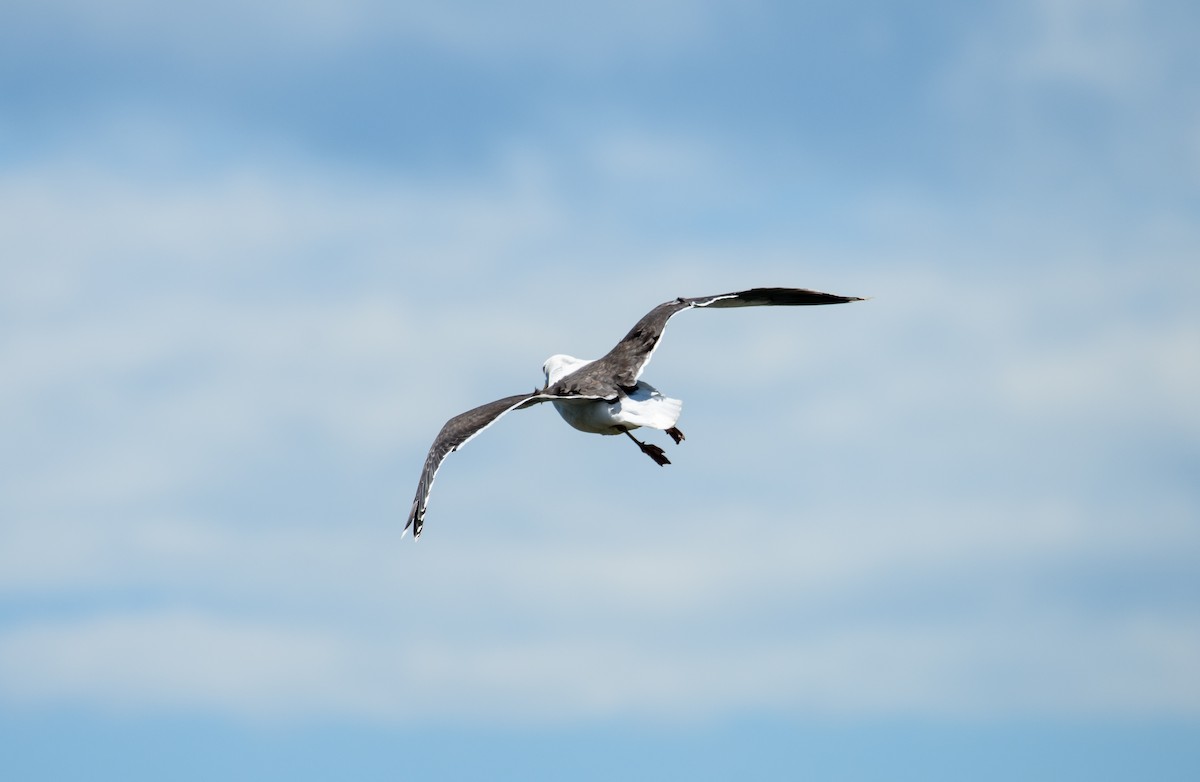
(657, 454)
(650, 449)
(676, 435)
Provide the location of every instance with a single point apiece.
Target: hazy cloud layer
(228, 342)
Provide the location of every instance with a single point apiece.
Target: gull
(604, 395)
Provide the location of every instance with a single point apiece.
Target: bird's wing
(457, 432)
(623, 364)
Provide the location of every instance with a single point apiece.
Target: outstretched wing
(456, 433)
(623, 364)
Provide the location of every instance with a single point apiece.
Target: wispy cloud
(227, 347)
(224, 34)
(168, 661)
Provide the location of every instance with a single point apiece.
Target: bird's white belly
(595, 416)
(644, 407)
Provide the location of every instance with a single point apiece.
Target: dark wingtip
(783, 296)
(819, 297)
(416, 520)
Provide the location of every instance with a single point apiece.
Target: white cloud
(1105, 48)
(174, 659)
(1101, 45)
(180, 321)
(679, 609)
(840, 549)
(862, 538)
(1074, 105)
(218, 35)
(1157, 370)
(165, 661)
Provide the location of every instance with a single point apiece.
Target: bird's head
(559, 366)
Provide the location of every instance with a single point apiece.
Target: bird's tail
(646, 406)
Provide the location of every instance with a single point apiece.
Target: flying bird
(604, 395)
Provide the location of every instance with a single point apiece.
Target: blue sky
(254, 254)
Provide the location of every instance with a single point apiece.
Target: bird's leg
(651, 450)
(676, 435)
